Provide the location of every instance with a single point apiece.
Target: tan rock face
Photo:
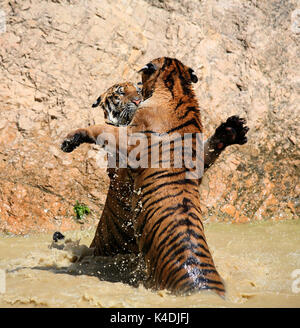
(56, 57)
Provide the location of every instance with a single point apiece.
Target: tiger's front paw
(233, 131)
(74, 139)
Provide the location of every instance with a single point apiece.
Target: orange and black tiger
(115, 233)
(167, 225)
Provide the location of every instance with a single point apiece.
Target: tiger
(119, 103)
(168, 227)
(114, 234)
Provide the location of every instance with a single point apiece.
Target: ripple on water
(255, 260)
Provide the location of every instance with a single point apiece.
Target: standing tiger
(115, 233)
(168, 228)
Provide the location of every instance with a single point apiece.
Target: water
(255, 260)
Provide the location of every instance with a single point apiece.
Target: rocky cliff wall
(57, 56)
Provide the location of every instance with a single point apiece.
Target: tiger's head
(168, 72)
(120, 102)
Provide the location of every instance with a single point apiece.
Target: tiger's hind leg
(231, 132)
(115, 233)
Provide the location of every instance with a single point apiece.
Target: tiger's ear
(97, 102)
(148, 69)
(193, 76)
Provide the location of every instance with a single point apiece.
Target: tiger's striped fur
(168, 227)
(115, 233)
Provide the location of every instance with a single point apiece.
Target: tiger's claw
(231, 132)
(73, 140)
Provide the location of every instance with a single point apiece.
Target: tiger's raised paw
(232, 132)
(74, 139)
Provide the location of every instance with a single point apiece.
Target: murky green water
(255, 260)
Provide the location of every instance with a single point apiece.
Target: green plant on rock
(81, 210)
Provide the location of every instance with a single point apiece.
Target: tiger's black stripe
(165, 205)
(169, 82)
(188, 111)
(170, 231)
(161, 199)
(192, 121)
